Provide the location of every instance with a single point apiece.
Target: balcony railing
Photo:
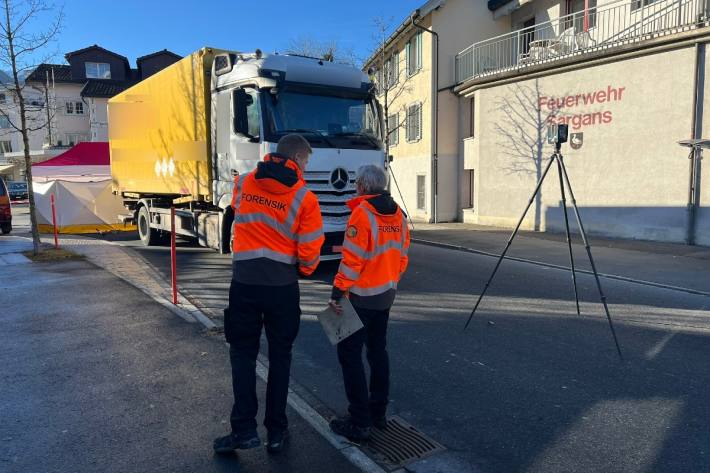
(610, 25)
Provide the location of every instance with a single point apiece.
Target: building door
(527, 35)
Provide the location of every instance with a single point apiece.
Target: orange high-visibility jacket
(374, 252)
(277, 218)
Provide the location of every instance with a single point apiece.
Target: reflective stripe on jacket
(374, 255)
(275, 218)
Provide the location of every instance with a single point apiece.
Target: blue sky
(138, 27)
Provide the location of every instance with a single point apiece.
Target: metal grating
(399, 444)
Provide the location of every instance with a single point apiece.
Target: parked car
(17, 190)
(5, 210)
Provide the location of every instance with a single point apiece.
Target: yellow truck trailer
(179, 137)
(159, 131)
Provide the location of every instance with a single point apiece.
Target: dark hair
(290, 145)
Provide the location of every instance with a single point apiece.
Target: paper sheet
(339, 327)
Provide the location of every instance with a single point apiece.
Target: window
(421, 192)
(576, 9)
(246, 113)
(413, 51)
(6, 146)
(74, 108)
(3, 98)
(470, 175)
(74, 138)
(329, 121)
(393, 129)
(4, 122)
(98, 70)
(391, 75)
(414, 122)
(636, 4)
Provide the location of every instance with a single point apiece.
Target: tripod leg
(510, 240)
(569, 239)
(589, 253)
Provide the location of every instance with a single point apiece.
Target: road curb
(450, 246)
(187, 311)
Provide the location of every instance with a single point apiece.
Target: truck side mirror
(390, 158)
(242, 101)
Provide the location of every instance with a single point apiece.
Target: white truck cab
(259, 98)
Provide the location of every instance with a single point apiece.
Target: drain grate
(399, 444)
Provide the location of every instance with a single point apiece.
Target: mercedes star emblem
(339, 178)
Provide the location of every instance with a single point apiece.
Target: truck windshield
(325, 121)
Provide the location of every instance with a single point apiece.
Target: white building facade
(627, 76)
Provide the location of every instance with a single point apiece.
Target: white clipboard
(339, 327)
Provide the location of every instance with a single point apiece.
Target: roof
(157, 53)
(62, 73)
(496, 4)
(104, 87)
(99, 48)
(88, 153)
(422, 11)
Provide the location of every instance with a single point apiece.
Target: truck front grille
(332, 202)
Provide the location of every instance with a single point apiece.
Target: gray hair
(292, 144)
(372, 178)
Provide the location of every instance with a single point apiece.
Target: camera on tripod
(557, 134)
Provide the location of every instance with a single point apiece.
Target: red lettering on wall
(560, 105)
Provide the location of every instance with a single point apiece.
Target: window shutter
(416, 122)
(410, 124)
(395, 68)
(393, 128)
(419, 51)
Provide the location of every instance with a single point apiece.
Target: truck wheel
(149, 236)
(6, 229)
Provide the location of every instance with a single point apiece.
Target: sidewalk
(665, 264)
(105, 379)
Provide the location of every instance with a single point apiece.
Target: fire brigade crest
(576, 140)
(351, 231)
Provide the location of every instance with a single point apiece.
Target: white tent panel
(81, 207)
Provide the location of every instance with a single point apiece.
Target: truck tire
(149, 236)
(6, 229)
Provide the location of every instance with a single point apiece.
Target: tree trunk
(23, 127)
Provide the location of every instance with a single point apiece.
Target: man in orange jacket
(277, 235)
(374, 258)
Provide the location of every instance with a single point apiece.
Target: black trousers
(363, 404)
(277, 309)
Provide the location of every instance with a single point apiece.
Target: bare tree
(328, 50)
(21, 50)
(391, 77)
(522, 131)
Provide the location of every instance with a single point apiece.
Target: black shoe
(379, 422)
(275, 441)
(231, 442)
(344, 426)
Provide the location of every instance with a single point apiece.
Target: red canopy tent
(84, 161)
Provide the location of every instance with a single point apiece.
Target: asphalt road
(96, 377)
(530, 386)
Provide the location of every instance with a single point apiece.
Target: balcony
(596, 29)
